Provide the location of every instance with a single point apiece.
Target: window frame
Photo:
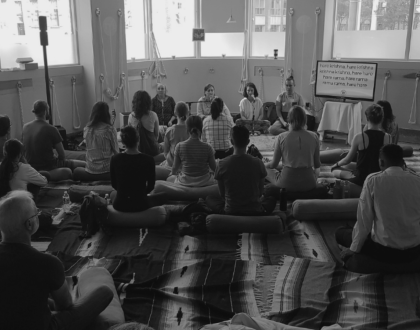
(408, 41)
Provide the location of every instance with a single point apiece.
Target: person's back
(26, 280)
(367, 159)
(241, 176)
(101, 145)
(395, 194)
(194, 155)
(174, 135)
(130, 174)
(298, 148)
(39, 139)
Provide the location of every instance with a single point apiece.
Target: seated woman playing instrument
(298, 149)
(193, 158)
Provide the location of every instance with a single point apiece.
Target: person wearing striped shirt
(101, 145)
(217, 130)
(193, 158)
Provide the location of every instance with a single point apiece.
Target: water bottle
(346, 188)
(283, 200)
(66, 201)
(107, 199)
(338, 190)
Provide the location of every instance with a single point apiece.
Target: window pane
(371, 29)
(415, 37)
(134, 29)
(19, 32)
(268, 30)
(218, 44)
(173, 22)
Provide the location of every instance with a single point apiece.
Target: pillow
(407, 151)
(330, 156)
(332, 209)
(93, 278)
(77, 193)
(320, 192)
(153, 217)
(236, 224)
(177, 192)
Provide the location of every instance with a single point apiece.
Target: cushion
(407, 151)
(177, 192)
(235, 224)
(320, 192)
(153, 217)
(90, 280)
(77, 192)
(330, 156)
(332, 209)
(363, 264)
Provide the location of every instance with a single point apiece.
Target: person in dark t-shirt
(40, 139)
(133, 176)
(241, 181)
(28, 277)
(4, 132)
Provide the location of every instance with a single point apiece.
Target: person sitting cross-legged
(241, 181)
(28, 277)
(40, 139)
(388, 214)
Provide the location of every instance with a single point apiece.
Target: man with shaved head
(28, 277)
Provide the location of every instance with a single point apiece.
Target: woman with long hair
(389, 125)
(217, 130)
(133, 176)
(298, 149)
(101, 144)
(164, 106)
(204, 103)
(147, 124)
(367, 146)
(15, 175)
(193, 158)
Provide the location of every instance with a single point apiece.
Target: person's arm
(34, 177)
(113, 172)
(317, 160)
(259, 104)
(166, 144)
(279, 108)
(212, 160)
(172, 102)
(276, 157)
(242, 110)
(177, 161)
(151, 179)
(350, 156)
(204, 132)
(301, 102)
(365, 217)
(156, 128)
(221, 186)
(200, 107)
(114, 141)
(60, 151)
(62, 297)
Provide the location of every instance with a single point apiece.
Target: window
(172, 26)
(223, 44)
(135, 29)
(19, 32)
(368, 29)
(259, 6)
(271, 28)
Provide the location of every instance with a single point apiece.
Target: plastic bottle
(66, 201)
(107, 199)
(346, 189)
(338, 190)
(283, 199)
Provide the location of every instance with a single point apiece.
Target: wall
(34, 89)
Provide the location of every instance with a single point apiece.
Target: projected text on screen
(346, 80)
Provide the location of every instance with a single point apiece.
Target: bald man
(28, 277)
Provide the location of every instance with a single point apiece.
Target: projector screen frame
(343, 99)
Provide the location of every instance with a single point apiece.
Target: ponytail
(216, 108)
(194, 125)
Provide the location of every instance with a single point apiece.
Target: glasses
(38, 213)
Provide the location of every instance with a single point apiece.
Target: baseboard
(409, 135)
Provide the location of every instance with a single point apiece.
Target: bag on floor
(253, 151)
(92, 213)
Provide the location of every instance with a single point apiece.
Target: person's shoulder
(202, 98)
(312, 134)
(243, 101)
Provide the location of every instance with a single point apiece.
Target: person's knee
(104, 293)
(61, 174)
(79, 174)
